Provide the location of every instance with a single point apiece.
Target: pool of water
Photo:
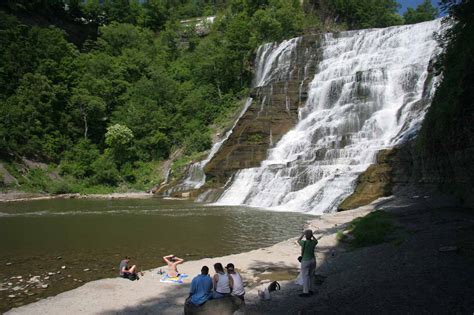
(59, 239)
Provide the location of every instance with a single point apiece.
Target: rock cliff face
(408, 171)
(377, 181)
(273, 112)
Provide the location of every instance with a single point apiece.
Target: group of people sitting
(203, 287)
(222, 284)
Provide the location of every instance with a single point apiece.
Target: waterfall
(370, 92)
(195, 176)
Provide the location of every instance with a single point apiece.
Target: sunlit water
(95, 234)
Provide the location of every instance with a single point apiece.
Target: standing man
(201, 288)
(172, 261)
(308, 261)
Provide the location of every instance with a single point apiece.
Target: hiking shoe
(304, 294)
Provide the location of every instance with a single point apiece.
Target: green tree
(423, 12)
(366, 14)
(119, 140)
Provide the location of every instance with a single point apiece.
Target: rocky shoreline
(22, 196)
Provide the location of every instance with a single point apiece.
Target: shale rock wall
(273, 112)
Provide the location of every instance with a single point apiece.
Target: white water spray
(370, 92)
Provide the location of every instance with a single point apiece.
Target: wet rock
(87, 269)
(11, 296)
(34, 279)
(17, 288)
(44, 286)
(19, 277)
(69, 276)
(59, 257)
(58, 272)
(10, 284)
(50, 273)
(63, 267)
(8, 264)
(46, 278)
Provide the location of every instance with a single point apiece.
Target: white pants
(307, 272)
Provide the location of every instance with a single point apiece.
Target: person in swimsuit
(172, 261)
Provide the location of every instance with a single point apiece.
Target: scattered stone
(75, 279)
(46, 278)
(21, 280)
(10, 284)
(17, 288)
(8, 264)
(416, 197)
(69, 276)
(448, 248)
(14, 277)
(34, 279)
(11, 296)
(79, 280)
(87, 269)
(59, 257)
(58, 272)
(63, 267)
(44, 286)
(50, 273)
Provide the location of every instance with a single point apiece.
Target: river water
(38, 238)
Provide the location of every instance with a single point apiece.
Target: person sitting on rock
(201, 288)
(126, 271)
(222, 282)
(237, 283)
(172, 261)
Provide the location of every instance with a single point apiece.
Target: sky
(413, 4)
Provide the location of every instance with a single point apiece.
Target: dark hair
(218, 267)
(127, 257)
(205, 270)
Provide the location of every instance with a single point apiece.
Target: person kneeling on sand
(201, 288)
(126, 271)
(222, 282)
(172, 261)
(237, 283)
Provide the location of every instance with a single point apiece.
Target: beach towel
(177, 280)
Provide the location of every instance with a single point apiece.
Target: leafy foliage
(423, 12)
(367, 14)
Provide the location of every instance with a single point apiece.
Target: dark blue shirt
(201, 289)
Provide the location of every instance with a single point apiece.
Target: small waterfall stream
(195, 176)
(370, 92)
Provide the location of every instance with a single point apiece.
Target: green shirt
(307, 249)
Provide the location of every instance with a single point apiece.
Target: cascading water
(370, 92)
(195, 176)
